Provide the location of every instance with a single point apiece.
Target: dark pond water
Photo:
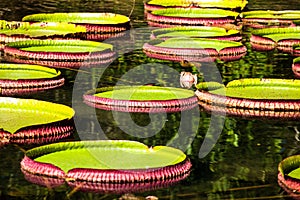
(241, 165)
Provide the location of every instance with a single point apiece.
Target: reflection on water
(242, 164)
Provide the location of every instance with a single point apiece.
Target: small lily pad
(289, 174)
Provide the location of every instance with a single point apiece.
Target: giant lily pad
(141, 98)
(28, 30)
(197, 32)
(271, 18)
(270, 38)
(34, 51)
(194, 49)
(230, 4)
(289, 175)
(22, 79)
(34, 121)
(187, 16)
(94, 22)
(253, 97)
(106, 161)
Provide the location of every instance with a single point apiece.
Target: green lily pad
(25, 72)
(60, 46)
(16, 113)
(201, 3)
(193, 32)
(272, 14)
(43, 29)
(146, 93)
(277, 34)
(107, 161)
(80, 18)
(197, 43)
(195, 13)
(290, 167)
(266, 89)
(107, 155)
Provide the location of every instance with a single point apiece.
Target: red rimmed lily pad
(59, 52)
(270, 38)
(197, 32)
(271, 98)
(296, 67)
(106, 161)
(141, 99)
(171, 17)
(34, 121)
(288, 176)
(194, 49)
(94, 22)
(26, 31)
(18, 79)
(227, 4)
(270, 18)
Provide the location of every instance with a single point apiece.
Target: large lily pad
(271, 18)
(106, 161)
(29, 120)
(194, 49)
(252, 98)
(60, 50)
(99, 22)
(187, 16)
(270, 38)
(43, 29)
(253, 93)
(21, 78)
(230, 4)
(197, 32)
(141, 98)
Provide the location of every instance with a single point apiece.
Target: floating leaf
(194, 49)
(288, 177)
(106, 161)
(196, 32)
(60, 50)
(141, 97)
(22, 78)
(193, 17)
(231, 4)
(98, 22)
